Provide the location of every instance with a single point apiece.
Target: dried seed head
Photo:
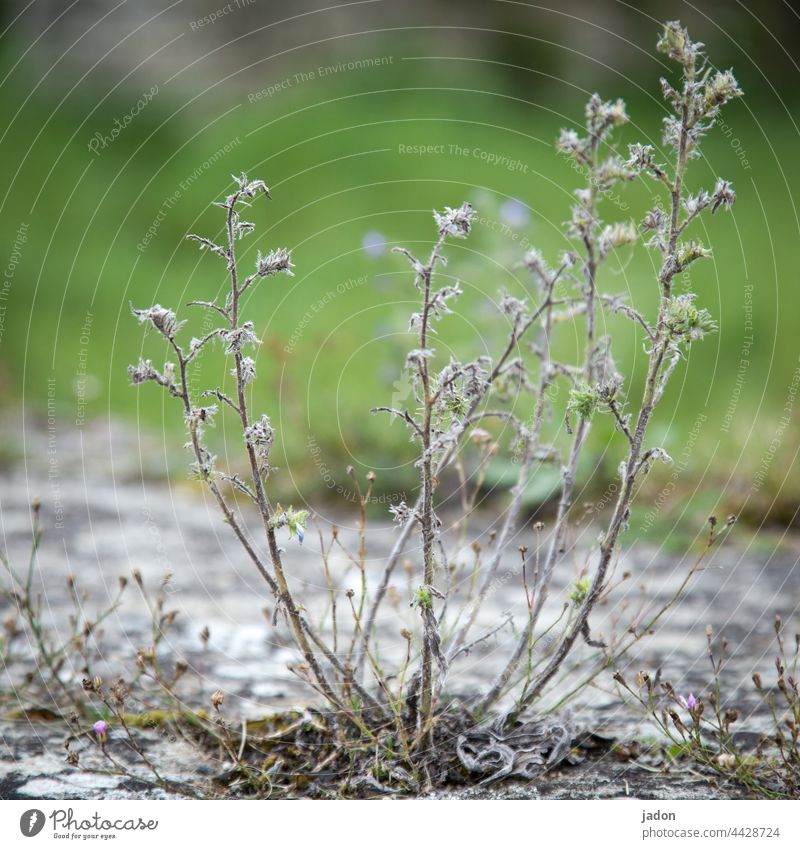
(455, 222)
(275, 262)
(726, 760)
(164, 320)
(238, 337)
(217, 698)
(248, 370)
(401, 513)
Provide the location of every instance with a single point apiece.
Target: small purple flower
(100, 728)
(690, 702)
(374, 243)
(515, 213)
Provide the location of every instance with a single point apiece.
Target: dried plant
(53, 658)
(458, 406)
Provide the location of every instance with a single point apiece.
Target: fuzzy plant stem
(426, 518)
(555, 549)
(632, 464)
(569, 471)
(284, 594)
(545, 311)
(405, 531)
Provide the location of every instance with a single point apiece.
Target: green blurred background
(324, 105)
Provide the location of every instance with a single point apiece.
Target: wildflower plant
(453, 407)
(700, 729)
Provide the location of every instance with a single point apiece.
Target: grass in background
(344, 192)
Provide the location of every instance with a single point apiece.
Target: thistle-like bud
(401, 513)
(675, 43)
(248, 370)
(260, 436)
(237, 338)
(571, 144)
(684, 319)
(723, 195)
(720, 89)
(164, 320)
(455, 222)
(275, 262)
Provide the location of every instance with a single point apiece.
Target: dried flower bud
(217, 698)
(676, 44)
(455, 222)
(248, 367)
(275, 262)
(571, 144)
(720, 88)
(237, 338)
(640, 156)
(163, 319)
(723, 195)
(400, 513)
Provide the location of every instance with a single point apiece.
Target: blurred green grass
(335, 335)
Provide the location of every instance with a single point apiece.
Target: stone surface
(103, 519)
